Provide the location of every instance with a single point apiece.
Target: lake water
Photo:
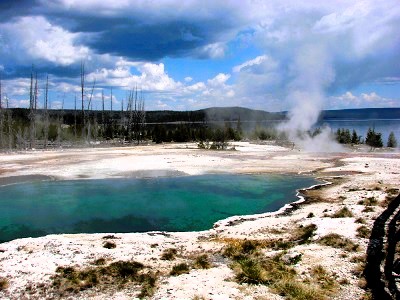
(185, 203)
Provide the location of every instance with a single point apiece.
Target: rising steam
(312, 72)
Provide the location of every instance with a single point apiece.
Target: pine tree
(355, 138)
(392, 142)
(346, 137)
(374, 139)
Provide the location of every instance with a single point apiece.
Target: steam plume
(312, 72)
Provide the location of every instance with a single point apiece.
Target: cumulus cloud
(34, 39)
(363, 100)
(153, 77)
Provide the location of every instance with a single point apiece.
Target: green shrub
(310, 215)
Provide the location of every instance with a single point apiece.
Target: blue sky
(188, 55)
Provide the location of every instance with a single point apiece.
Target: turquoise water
(186, 203)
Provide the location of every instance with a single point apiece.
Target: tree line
(373, 138)
(36, 127)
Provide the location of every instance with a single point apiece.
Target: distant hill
(361, 114)
(236, 113)
(222, 114)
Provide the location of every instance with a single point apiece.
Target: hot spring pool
(187, 203)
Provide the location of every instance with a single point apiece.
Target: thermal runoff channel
(185, 203)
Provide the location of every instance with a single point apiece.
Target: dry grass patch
(202, 262)
(300, 235)
(109, 245)
(70, 280)
(303, 234)
(337, 241)
(182, 268)
(371, 201)
(281, 278)
(325, 280)
(363, 232)
(358, 259)
(368, 209)
(360, 221)
(3, 284)
(169, 254)
(343, 213)
(252, 267)
(391, 194)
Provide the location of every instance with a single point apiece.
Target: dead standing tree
(88, 122)
(9, 125)
(141, 118)
(137, 116)
(83, 100)
(46, 113)
(60, 122)
(75, 131)
(32, 114)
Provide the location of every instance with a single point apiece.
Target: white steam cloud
(312, 72)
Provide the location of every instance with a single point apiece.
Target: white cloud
(32, 38)
(188, 79)
(199, 86)
(218, 80)
(152, 77)
(256, 61)
(214, 50)
(364, 100)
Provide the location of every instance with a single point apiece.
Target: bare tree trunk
(82, 99)
(46, 113)
(122, 116)
(10, 124)
(111, 101)
(90, 107)
(142, 117)
(32, 100)
(75, 131)
(36, 92)
(60, 122)
(103, 120)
